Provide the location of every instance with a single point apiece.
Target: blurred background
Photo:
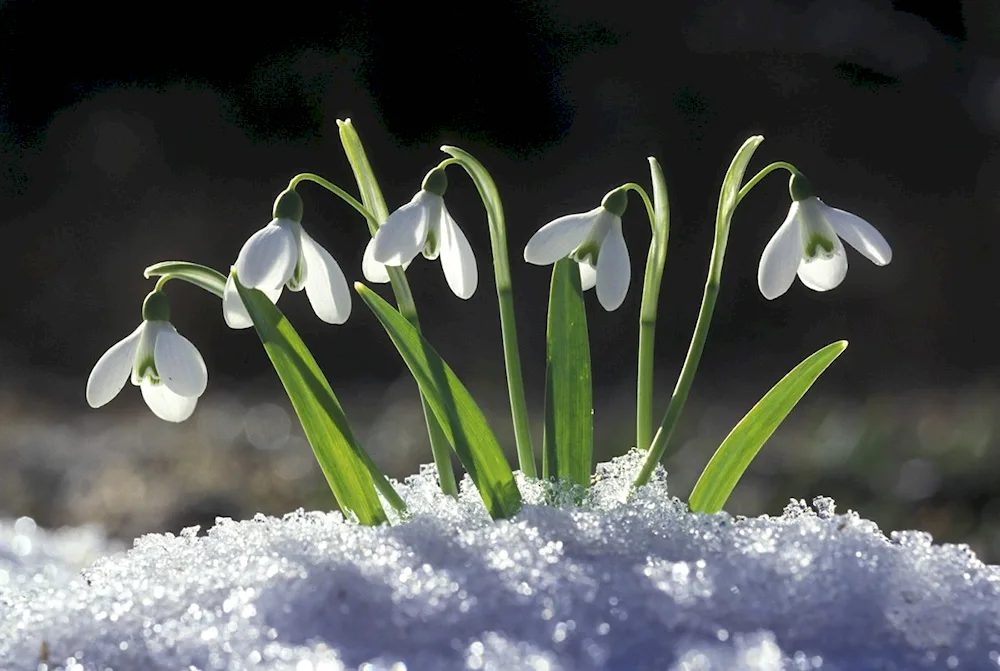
(170, 141)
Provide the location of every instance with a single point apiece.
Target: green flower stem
(753, 181)
(336, 190)
(203, 277)
(659, 222)
(375, 213)
(728, 199)
(505, 297)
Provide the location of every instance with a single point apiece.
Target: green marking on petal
(816, 241)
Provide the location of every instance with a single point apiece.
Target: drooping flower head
(808, 244)
(595, 241)
(424, 226)
(282, 255)
(162, 363)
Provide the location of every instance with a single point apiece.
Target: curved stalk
(508, 329)
(659, 222)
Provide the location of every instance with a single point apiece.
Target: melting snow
(641, 584)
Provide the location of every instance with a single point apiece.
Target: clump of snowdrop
(586, 250)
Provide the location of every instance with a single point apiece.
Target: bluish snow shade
(637, 585)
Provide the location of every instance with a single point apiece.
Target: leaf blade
(460, 417)
(323, 420)
(568, 438)
(729, 462)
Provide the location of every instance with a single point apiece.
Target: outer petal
(859, 234)
(112, 370)
(165, 404)
(588, 276)
(558, 238)
(233, 310)
(781, 257)
(614, 270)
(267, 260)
(179, 363)
(326, 286)
(457, 259)
(404, 233)
(372, 269)
(823, 274)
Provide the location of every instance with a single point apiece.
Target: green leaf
(344, 463)
(568, 440)
(461, 419)
(742, 444)
(734, 178)
(371, 194)
(206, 278)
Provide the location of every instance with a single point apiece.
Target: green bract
(586, 250)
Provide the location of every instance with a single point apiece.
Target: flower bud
(616, 201)
(799, 187)
(288, 205)
(156, 307)
(436, 181)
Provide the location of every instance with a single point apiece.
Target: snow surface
(642, 584)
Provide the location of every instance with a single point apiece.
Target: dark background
(132, 142)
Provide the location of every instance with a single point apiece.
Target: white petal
(326, 286)
(233, 310)
(859, 234)
(268, 258)
(165, 404)
(179, 363)
(558, 238)
(457, 259)
(588, 276)
(372, 269)
(823, 274)
(404, 233)
(781, 257)
(614, 270)
(112, 370)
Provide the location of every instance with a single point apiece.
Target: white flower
(595, 241)
(809, 244)
(424, 225)
(161, 362)
(283, 254)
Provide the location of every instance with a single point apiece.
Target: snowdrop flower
(808, 244)
(595, 241)
(424, 225)
(161, 362)
(282, 254)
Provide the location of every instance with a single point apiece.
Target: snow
(613, 584)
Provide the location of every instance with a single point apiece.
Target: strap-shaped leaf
(344, 463)
(463, 422)
(568, 440)
(749, 435)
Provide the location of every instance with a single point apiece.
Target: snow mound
(612, 584)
